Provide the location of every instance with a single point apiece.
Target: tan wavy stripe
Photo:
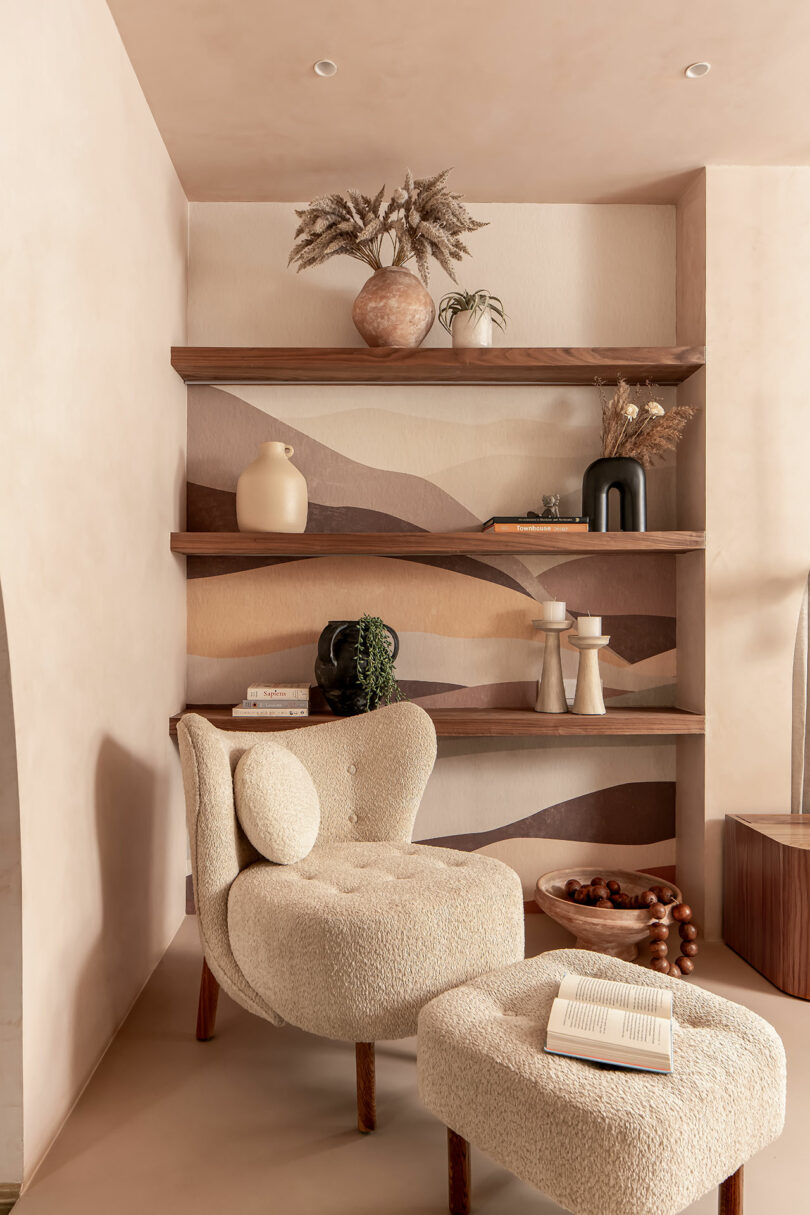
(310, 402)
(423, 656)
(415, 432)
(265, 610)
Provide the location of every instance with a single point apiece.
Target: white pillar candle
(554, 609)
(589, 626)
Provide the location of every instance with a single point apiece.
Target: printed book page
(596, 1023)
(650, 1001)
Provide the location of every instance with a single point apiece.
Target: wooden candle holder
(551, 689)
(588, 699)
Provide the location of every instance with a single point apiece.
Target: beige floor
(259, 1121)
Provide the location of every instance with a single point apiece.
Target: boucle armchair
(353, 940)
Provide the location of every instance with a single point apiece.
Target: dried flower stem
(644, 436)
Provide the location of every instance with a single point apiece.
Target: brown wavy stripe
(470, 567)
(635, 638)
(214, 510)
(616, 585)
(417, 690)
(513, 695)
(642, 812)
(330, 475)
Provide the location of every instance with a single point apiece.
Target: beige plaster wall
(748, 228)
(92, 293)
(568, 274)
(757, 461)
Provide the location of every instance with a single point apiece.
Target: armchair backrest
(370, 772)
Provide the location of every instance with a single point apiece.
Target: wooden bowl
(614, 932)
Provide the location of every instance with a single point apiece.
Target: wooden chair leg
(207, 1007)
(731, 1194)
(366, 1088)
(458, 1173)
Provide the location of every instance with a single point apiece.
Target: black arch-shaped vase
(627, 476)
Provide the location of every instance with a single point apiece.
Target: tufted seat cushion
(353, 940)
(597, 1139)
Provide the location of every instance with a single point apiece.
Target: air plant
(477, 302)
(643, 430)
(422, 219)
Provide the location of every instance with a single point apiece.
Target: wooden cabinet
(766, 900)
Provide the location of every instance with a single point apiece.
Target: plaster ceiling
(529, 100)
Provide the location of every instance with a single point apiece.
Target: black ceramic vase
(336, 667)
(627, 476)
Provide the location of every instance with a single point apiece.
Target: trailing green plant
(422, 219)
(376, 672)
(476, 302)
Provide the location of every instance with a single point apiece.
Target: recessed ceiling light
(694, 71)
(325, 67)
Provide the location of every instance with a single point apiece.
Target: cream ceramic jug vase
(271, 494)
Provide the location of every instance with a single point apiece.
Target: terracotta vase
(393, 309)
(271, 494)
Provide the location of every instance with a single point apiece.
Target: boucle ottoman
(599, 1139)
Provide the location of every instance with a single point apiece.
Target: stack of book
(274, 700)
(536, 523)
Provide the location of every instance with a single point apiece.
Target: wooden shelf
(393, 365)
(488, 723)
(428, 544)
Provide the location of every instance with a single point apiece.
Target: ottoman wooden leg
(366, 1087)
(207, 1007)
(731, 1194)
(458, 1173)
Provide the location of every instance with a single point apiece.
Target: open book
(620, 1023)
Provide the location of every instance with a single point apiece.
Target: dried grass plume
(643, 430)
(422, 219)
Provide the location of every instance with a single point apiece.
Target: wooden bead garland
(600, 892)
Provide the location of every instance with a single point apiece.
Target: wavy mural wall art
(440, 462)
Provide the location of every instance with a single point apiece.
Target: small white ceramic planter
(470, 331)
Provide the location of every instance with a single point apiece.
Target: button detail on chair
(349, 952)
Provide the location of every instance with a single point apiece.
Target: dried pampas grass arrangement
(643, 430)
(422, 219)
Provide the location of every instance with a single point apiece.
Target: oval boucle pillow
(276, 803)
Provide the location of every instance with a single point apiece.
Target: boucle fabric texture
(412, 921)
(276, 803)
(593, 1138)
(351, 942)
(370, 773)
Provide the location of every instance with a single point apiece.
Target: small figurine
(551, 502)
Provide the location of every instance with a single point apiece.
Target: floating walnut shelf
(393, 365)
(488, 723)
(429, 544)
